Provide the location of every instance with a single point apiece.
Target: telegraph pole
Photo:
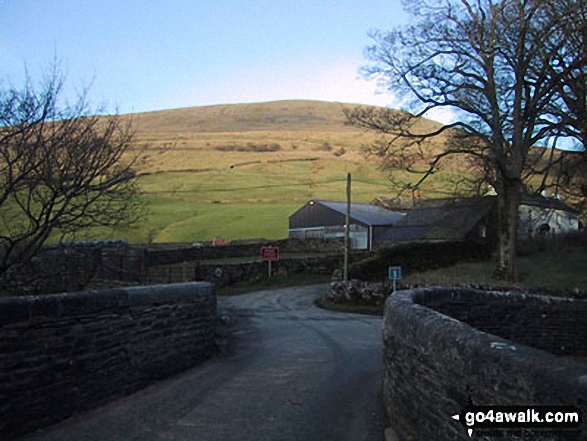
(347, 228)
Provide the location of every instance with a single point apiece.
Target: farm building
(441, 220)
(326, 219)
(545, 216)
(474, 219)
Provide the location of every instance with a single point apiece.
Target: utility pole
(347, 228)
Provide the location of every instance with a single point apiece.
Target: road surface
(292, 372)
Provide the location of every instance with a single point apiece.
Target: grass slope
(555, 269)
(204, 172)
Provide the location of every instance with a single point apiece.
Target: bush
(540, 244)
(415, 257)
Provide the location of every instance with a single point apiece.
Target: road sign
(270, 254)
(395, 272)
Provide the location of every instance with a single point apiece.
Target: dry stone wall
(445, 348)
(359, 292)
(67, 353)
(170, 254)
(225, 274)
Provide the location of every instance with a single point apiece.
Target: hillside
(227, 135)
(239, 171)
(291, 115)
(295, 115)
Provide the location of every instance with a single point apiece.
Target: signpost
(270, 254)
(395, 273)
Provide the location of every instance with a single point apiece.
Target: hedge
(418, 256)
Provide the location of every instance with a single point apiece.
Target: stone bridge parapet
(63, 354)
(446, 348)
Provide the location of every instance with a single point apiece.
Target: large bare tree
(567, 64)
(63, 168)
(505, 70)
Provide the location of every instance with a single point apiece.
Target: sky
(142, 55)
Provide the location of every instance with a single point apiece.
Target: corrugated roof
(365, 213)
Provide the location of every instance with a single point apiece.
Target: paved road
(293, 372)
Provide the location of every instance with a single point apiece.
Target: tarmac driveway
(293, 372)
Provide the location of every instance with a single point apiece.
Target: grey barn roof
(445, 222)
(372, 215)
(405, 233)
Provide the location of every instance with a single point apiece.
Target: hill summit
(298, 115)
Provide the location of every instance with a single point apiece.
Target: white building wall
(535, 220)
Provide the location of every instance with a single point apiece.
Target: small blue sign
(395, 272)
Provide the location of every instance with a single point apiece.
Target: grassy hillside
(239, 171)
(294, 115)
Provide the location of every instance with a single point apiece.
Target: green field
(251, 202)
(207, 172)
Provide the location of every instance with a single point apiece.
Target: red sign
(220, 242)
(270, 253)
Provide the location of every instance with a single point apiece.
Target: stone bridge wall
(67, 353)
(448, 347)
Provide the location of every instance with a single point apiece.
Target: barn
(475, 219)
(326, 219)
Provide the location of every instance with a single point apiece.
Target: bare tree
(493, 64)
(565, 63)
(63, 168)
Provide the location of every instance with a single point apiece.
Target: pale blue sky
(151, 55)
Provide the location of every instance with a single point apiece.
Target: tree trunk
(507, 230)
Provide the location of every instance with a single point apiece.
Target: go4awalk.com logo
(520, 420)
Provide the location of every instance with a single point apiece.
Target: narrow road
(293, 372)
